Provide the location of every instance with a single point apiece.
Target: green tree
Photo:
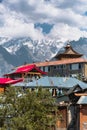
(27, 110)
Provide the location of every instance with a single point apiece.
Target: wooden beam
(80, 94)
(34, 73)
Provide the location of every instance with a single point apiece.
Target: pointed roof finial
(68, 45)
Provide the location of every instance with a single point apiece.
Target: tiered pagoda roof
(68, 52)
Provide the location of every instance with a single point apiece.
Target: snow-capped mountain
(38, 50)
(17, 51)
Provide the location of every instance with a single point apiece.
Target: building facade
(73, 109)
(26, 73)
(67, 63)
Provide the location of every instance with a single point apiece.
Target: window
(58, 67)
(64, 66)
(49, 69)
(74, 66)
(70, 67)
(43, 68)
(46, 69)
(54, 67)
(79, 65)
(61, 66)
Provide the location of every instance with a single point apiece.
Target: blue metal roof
(82, 100)
(60, 82)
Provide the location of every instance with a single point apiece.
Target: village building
(67, 63)
(69, 92)
(70, 95)
(72, 107)
(56, 85)
(25, 73)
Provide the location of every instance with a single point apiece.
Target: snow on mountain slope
(41, 50)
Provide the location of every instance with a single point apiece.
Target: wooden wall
(83, 117)
(2, 89)
(62, 120)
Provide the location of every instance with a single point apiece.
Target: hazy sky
(39, 19)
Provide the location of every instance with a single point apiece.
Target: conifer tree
(27, 110)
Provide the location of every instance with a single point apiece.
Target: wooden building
(22, 73)
(26, 72)
(71, 106)
(73, 109)
(67, 62)
(82, 110)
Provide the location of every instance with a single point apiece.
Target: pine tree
(27, 110)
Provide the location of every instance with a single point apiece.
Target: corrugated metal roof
(82, 100)
(60, 82)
